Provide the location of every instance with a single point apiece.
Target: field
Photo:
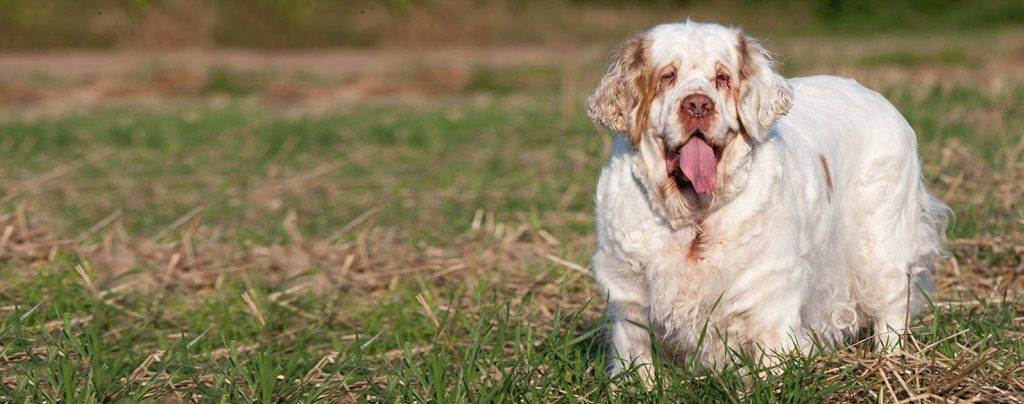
(396, 225)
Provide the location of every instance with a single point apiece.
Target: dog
(744, 212)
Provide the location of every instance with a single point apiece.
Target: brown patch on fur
(736, 98)
(665, 188)
(647, 85)
(746, 71)
(660, 76)
(623, 90)
(745, 46)
(697, 245)
(828, 175)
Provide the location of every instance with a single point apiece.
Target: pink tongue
(698, 162)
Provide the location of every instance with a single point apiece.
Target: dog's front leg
(627, 312)
(631, 342)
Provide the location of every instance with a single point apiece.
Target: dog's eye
(722, 80)
(668, 76)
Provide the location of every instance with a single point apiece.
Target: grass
(950, 56)
(428, 308)
(227, 82)
(216, 250)
(276, 24)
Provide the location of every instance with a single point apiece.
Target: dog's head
(693, 99)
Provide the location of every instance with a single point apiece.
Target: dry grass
(326, 81)
(251, 230)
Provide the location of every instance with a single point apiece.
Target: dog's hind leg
(901, 229)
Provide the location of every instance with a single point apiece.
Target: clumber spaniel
(741, 211)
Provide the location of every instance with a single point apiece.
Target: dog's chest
(639, 238)
(626, 224)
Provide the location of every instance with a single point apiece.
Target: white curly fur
(816, 227)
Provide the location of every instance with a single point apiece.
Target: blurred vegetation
(907, 58)
(50, 24)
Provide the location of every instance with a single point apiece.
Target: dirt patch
(352, 77)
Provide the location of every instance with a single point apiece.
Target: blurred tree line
(56, 24)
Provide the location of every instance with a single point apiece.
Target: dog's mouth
(694, 164)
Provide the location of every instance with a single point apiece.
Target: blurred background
(267, 183)
(312, 24)
(319, 51)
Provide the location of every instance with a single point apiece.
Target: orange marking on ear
(647, 84)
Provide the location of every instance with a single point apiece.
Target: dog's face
(693, 99)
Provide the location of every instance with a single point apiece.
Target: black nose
(698, 105)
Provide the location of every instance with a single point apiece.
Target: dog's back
(886, 224)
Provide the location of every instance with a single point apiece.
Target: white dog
(741, 211)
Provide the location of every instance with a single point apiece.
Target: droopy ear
(764, 95)
(617, 101)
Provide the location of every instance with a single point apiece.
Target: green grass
(904, 58)
(505, 81)
(278, 24)
(213, 157)
(223, 81)
(233, 320)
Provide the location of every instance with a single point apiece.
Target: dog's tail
(931, 249)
